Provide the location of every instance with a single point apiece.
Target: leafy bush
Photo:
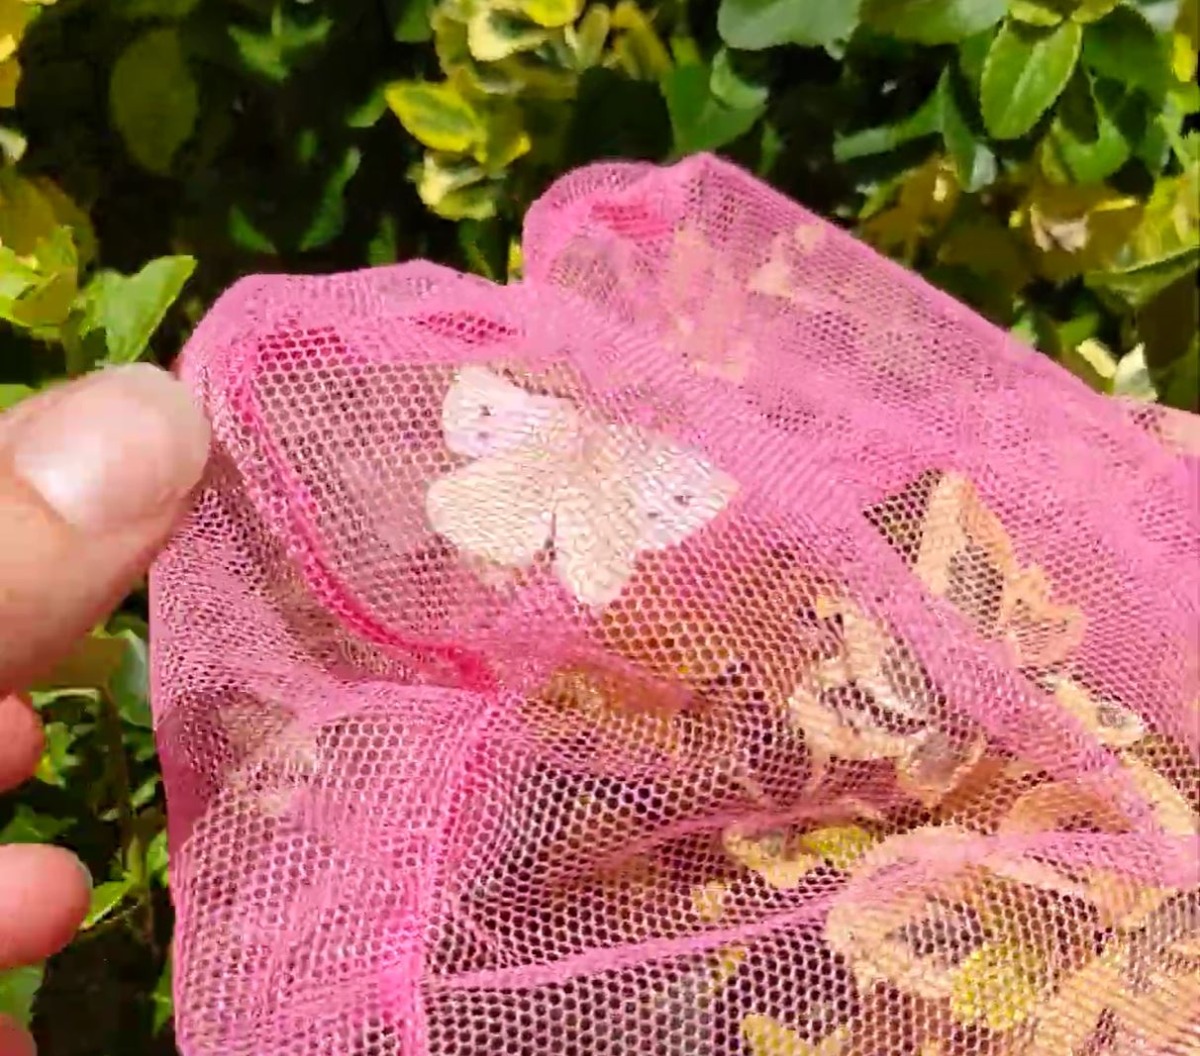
(1037, 158)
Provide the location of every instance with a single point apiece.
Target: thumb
(93, 477)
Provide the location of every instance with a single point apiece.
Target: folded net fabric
(720, 643)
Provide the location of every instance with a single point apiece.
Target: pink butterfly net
(719, 643)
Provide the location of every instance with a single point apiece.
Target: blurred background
(1038, 159)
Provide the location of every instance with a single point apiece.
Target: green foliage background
(1037, 158)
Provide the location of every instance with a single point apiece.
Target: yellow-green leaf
(27, 216)
(1092, 361)
(437, 115)
(1185, 39)
(765, 1036)
(154, 99)
(18, 990)
(552, 14)
(127, 309)
(456, 188)
(106, 897)
(1039, 12)
(505, 138)
(997, 985)
(1076, 229)
(493, 35)
(49, 276)
(840, 845)
(639, 48)
(587, 39)
(1092, 10)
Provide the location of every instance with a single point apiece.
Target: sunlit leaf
(127, 309)
(588, 37)
(551, 14)
(933, 21)
(1040, 12)
(106, 898)
(1185, 39)
(11, 395)
(493, 35)
(755, 24)
(437, 115)
(1024, 73)
(637, 46)
(154, 99)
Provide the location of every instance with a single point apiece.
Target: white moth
(544, 473)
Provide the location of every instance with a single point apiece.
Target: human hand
(93, 477)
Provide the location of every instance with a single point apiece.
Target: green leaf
(27, 826)
(57, 758)
(1087, 138)
(1166, 324)
(18, 990)
(1179, 383)
(734, 85)
(926, 120)
(1086, 11)
(368, 112)
(129, 684)
(1140, 283)
(163, 997)
(436, 115)
(974, 162)
(972, 54)
(329, 213)
(752, 25)
(11, 395)
(699, 121)
(106, 898)
(273, 53)
(157, 858)
(127, 309)
(1040, 12)
(1024, 74)
(932, 21)
(410, 20)
(153, 99)
(1125, 48)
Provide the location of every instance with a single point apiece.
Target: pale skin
(94, 476)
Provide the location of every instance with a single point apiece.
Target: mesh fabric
(720, 643)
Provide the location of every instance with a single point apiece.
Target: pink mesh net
(720, 643)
